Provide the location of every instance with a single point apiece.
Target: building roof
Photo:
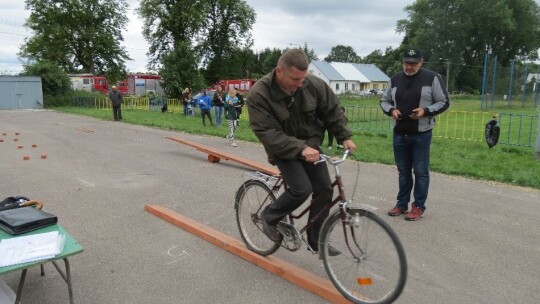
(372, 72)
(351, 71)
(328, 70)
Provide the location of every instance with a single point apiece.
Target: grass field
(473, 159)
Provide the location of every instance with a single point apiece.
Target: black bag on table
(18, 216)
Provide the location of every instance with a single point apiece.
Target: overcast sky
(322, 24)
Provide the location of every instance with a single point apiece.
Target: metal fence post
(537, 149)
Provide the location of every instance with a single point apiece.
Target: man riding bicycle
(289, 111)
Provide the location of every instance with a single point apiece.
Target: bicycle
(371, 266)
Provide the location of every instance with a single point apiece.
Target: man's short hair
(294, 58)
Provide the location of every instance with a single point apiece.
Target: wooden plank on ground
(287, 271)
(216, 155)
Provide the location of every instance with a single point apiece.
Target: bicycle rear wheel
(251, 199)
(372, 266)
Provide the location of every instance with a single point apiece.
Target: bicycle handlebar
(327, 158)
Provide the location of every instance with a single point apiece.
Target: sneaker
(340, 147)
(415, 214)
(396, 211)
(234, 144)
(271, 231)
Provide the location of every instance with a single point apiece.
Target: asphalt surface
(479, 242)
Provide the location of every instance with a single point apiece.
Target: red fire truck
(243, 85)
(89, 83)
(142, 84)
(122, 86)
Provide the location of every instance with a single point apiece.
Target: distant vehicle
(89, 83)
(123, 87)
(243, 85)
(141, 84)
(366, 93)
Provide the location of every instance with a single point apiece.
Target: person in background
(413, 98)
(331, 138)
(186, 96)
(205, 104)
(239, 105)
(231, 100)
(289, 109)
(116, 99)
(218, 102)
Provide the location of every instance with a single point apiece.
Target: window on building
(337, 86)
(346, 86)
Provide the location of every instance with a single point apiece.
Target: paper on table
(30, 248)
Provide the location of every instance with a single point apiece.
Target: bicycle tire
(378, 273)
(251, 199)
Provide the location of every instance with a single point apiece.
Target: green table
(71, 247)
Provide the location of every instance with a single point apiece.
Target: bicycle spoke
(370, 268)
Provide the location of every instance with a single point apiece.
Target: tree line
(194, 43)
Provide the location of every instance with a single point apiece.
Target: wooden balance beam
(215, 156)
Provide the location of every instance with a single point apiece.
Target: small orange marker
(364, 281)
(15, 139)
(26, 157)
(43, 156)
(16, 133)
(34, 146)
(1, 140)
(20, 147)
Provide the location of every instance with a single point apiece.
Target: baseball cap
(412, 55)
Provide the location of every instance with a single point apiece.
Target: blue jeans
(219, 114)
(411, 153)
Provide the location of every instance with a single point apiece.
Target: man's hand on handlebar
(350, 145)
(311, 155)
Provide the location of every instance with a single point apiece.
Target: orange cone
(34, 146)
(26, 157)
(43, 156)
(20, 147)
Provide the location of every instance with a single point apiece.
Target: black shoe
(271, 231)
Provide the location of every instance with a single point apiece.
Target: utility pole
(447, 73)
(537, 149)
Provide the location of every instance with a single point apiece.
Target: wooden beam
(302, 278)
(215, 156)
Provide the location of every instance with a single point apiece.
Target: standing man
(116, 98)
(289, 110)
(205, 104)
(413, 98)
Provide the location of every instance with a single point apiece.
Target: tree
(179, 69)
(78, 36)
(213, 29)
(54, 81)
(463, 31)
(341, 53)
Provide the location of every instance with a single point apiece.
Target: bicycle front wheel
(372, 266)
(251, 199)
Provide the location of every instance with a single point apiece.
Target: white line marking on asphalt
(179, 257)
(89, 184)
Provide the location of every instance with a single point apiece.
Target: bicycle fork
(352, 222)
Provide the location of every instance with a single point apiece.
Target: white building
(349, 77)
